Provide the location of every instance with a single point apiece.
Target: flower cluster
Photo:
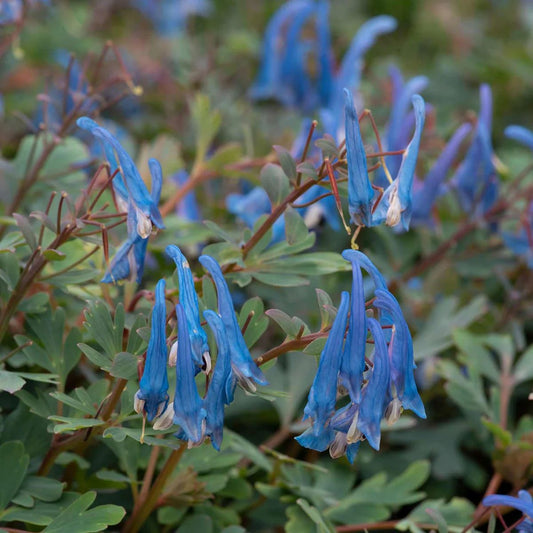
(377, 386)
(132, 197)
(287, 51)
(197, 417)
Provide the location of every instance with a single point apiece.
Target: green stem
(146, 505)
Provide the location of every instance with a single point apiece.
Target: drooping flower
(401, 356)
(475, 181)
(128, 183)
(375, 396)
(152, 396)
(524, 504)
(320, 405)
(10, 11)
(360, 191)
(353, 357)
(244, 368)
(189, 301)
(426, 194)
(397, 202)
(128, 262)
(221, 384)
(189, 412)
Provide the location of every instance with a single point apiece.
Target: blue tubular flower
(221, 384)
(325, 57)
(349, 74)
(269, 82)
(353, 358)
(396, 204)
(189, 301)
(424, 198)
(249, 207)
(524, 504)
(522, 243)
(360, 192)
(320, 405)
(188, 410)
(152, 396)
(244, 367)
(188, 207)
(401, 355)
(298, 91)
(146, 211)
(475, 180)
(128, 262)
(520, 134)
(375, 396)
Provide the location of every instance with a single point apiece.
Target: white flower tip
(166, 419)
(206, 357)
(394, 213)
(144, 224)
(138, 404)
(173, 355)
(393, 412)
(338, 447)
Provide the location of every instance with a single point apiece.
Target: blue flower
(189, 412)
(520, 134)
(249, 207)
(522, 242)
(320, 405)
(401, 356)
(275, 55)
(375, 396)
(244, 368)
(128, 183)
(396, 204)
(128, 262)
(351, 68)
(360, 191)
(524, 504)
(189, 301)
(475, 180)
(152, 396)
(353, 357)
(170, 16)
(221, 384)
(427, 193)
(188, 206)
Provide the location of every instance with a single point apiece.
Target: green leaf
(206, 123)
(14, 463)
(328, 146)
(72, 424)
(79, 518)
(286, 161)
(444, 318)
(275, 183)
(298, 521)
(284, 321)
(98, 359)
(25, 227)
(258, 322)
(42, 488)
(457, 512)
(124, 366)
(235, 442)
(195, 524)
(314, 514)
(523, 370)
(505, 437)
(325, 305)
(280, 280)
(10, 381)
(295, 229)
(439, 520)
(54, 255)
(225, 155)
(106, 332)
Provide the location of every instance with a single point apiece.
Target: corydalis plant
(377, 387)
